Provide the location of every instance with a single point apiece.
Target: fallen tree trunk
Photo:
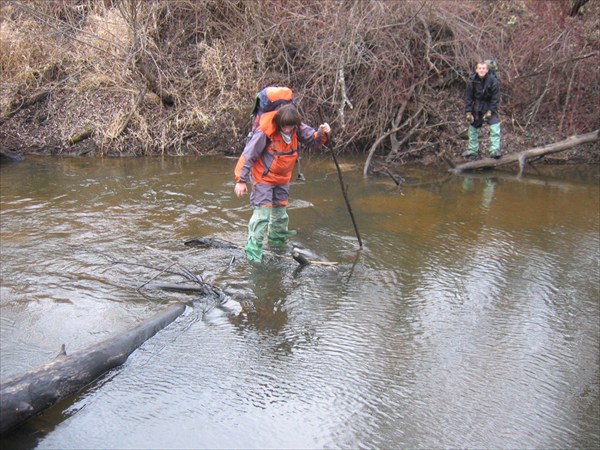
(210, 243)
(172, 287)
(219, 244)
(525, 155)
(30, 393)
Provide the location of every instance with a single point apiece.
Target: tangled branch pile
(179, 76)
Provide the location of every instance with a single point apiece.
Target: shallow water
(470, 318)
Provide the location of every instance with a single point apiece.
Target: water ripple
(468, 318)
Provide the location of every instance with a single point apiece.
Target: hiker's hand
(487, 116)
(240, 189)
(469, 117)
(325, 128)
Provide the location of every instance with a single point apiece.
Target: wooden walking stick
(345, 194)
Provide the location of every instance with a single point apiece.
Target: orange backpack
(267, 101)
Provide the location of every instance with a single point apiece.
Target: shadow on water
(469, 318)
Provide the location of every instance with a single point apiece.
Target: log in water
(30, 393)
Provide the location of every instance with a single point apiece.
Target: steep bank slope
(178, 77)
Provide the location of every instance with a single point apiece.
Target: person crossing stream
(267, 162)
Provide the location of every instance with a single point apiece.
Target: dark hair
(287, 116)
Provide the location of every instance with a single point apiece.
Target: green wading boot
(495, 141)
(473, 150)
(278, 227)
(257, 229)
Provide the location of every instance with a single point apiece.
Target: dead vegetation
(133, 77)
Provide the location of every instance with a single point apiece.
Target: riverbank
(147, 78)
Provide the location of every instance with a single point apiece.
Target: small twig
(155, 276)
(392, 155)
(134, 107)
(537, 104)
(388, 133)
(567, 97)
(564, 61)
(392, 176)
(186, 272)
(400, 24)
(304, 261)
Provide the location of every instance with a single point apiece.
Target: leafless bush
(179, 76)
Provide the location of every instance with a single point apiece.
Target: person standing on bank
(482, 98)
(267, 161)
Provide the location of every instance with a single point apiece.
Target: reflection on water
(469, 319)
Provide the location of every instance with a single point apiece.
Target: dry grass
(179, 76)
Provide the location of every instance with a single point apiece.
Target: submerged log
(532, 153)
(210, 243)
(219, 244)
(26, 395)
(173, 287)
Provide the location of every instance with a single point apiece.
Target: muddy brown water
(469, 319)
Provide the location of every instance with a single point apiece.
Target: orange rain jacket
(267, 158)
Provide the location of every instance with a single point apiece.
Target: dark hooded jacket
(483, 95)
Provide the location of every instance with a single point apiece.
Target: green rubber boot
(495, 141)
(278, 227)
(473, 142)
(257, 229)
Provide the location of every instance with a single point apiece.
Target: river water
(470, 318)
